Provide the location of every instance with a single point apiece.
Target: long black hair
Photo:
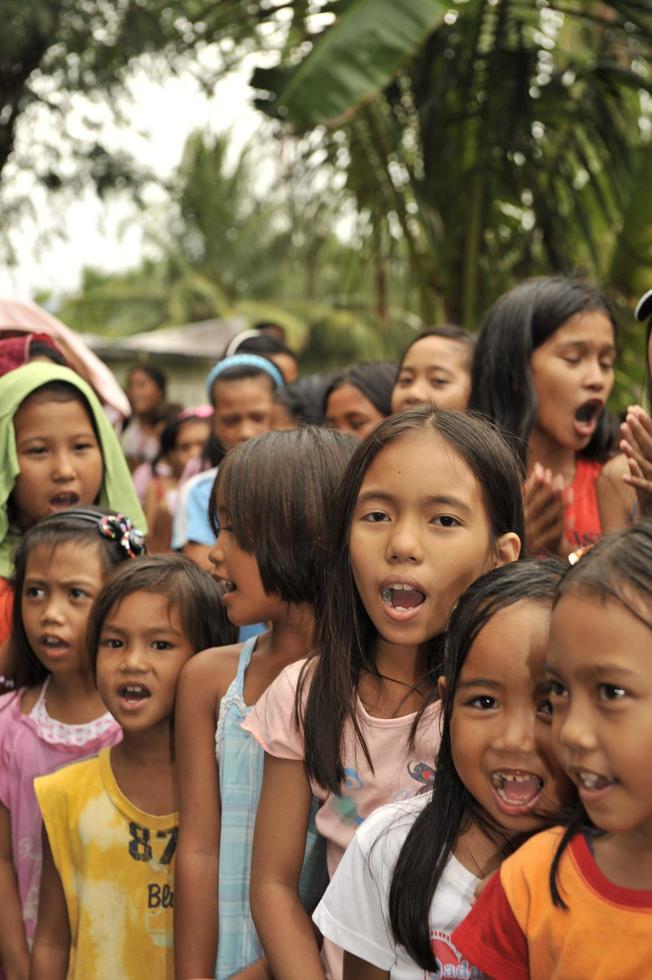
(519, 322)
(619, 568)
(452, 807)
(346, 636)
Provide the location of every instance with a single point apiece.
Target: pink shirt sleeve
(272, 721)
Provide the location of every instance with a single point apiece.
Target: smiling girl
(409, 876)
(105, 907)
(576, 901)
(543, 370)
(429, 502)
(57, 450)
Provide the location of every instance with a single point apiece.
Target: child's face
(141, 651)
(143, 393)
(599, 667)
(236, 570)
(573, 374)
(191, 439)
(500, 724)
(60, 586)
(350, 411)
(420, 535)
(242, 409)
(435, 371)
(59, 457)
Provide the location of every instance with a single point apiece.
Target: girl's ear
(508, 548)
(441, 687)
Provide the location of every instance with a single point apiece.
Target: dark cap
(644, 306)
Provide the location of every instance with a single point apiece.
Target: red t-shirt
(584, 508)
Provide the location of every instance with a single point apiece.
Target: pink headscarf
(23, 317)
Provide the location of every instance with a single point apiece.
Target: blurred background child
(111, 825)
(56, 715)
(543, 369)
(435, 369)
(359, 398)
(146, 391)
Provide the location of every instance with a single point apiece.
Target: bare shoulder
(212, 670)
(616, 500)
(614, 469)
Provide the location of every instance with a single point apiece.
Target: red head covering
(15, 351)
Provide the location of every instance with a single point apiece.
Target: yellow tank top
(116, 865)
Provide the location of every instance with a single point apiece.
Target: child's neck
(402, 684)
(73, 698)
(477, 852)
(541, 449)
(292, 636)
(626, 858)
(143, 767)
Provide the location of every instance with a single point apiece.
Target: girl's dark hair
(73, 526)
(346, 635)
(39, 348)
(519, 322)
(433, 835)
(448, 331)
(264, 344)
(187, 588)
(617, 568)
(375, 379)
(155, 374)
(277, 489)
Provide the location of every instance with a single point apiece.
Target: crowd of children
(368, 699)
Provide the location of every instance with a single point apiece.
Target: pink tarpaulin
(21, 316)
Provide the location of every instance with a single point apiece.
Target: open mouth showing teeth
(227, 586)
(133, 692)
(402, 596)
(591, 780)
(52, 642)
(516, 788)
(588, 411)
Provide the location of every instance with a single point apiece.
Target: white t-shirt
(354, 910)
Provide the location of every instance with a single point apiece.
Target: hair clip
(118, 528)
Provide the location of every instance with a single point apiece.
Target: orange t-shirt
(514, 932)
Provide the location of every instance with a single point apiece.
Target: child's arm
(14, 955)
(199, 691)
(356, 969)
(283, 926)
(51, 949)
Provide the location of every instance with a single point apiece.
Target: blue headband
(245, 360)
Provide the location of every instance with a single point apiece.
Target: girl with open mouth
(543, 370)
(429, 502)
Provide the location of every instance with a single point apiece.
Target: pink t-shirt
(35, 745)
(398, 774)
